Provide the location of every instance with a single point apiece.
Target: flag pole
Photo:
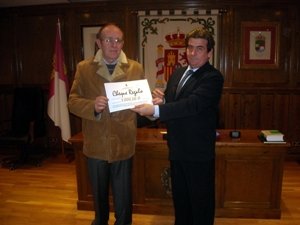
(58, 92)
(62, 148)
(61, 141)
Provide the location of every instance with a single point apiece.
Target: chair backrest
(28, 107)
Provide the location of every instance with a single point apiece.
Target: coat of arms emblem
(260, 43)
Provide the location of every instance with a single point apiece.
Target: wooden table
(248, 175)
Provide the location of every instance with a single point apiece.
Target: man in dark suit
(189, 107)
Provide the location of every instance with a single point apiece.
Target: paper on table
(127, 94)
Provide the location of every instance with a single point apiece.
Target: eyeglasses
(110, 41)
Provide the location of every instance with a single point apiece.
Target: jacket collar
(120, 69)
(203, 68)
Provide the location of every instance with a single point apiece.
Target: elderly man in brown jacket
(109, 138)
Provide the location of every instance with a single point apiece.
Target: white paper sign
(127, 94)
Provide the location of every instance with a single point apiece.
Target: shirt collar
(190, 68)
(100, 60)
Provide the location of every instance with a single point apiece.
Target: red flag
(57, 102)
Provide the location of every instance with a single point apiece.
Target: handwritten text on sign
(126, 95)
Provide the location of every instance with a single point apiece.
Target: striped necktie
(183, 80)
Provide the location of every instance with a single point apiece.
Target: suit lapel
(187, 85)
(175, 80)
(198, 74)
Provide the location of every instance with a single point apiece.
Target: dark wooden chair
(27, 136)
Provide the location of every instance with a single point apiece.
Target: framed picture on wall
(89, 35)
(260, 45)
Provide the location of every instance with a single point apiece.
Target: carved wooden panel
(248, 181)
(255, 188)
(248, 175)
(6, 102)
(250, 112)
(274, 111)
(36, 35)
(8, 74)
(295, 118)
(256, 108)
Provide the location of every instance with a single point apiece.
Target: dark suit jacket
(192, 117)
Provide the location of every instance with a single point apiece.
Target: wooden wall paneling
(74, 40)
(294, 117)
(6, 100)
(291, 35)
(262, 75)
(7, 54)
(36, 41)
(250, 111)
(68, 42)
(294, 126)
(281, 112)
(72, 48)
(234, 110)
(243, 110)
(131, 46)
(240, 109)
(295, 65)
(223, 110)
(274, 111)
(226, 40)
(267, 111)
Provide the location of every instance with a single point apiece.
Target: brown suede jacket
(108, 136)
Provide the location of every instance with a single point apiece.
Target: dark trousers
(118, 174)
(193, 189)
